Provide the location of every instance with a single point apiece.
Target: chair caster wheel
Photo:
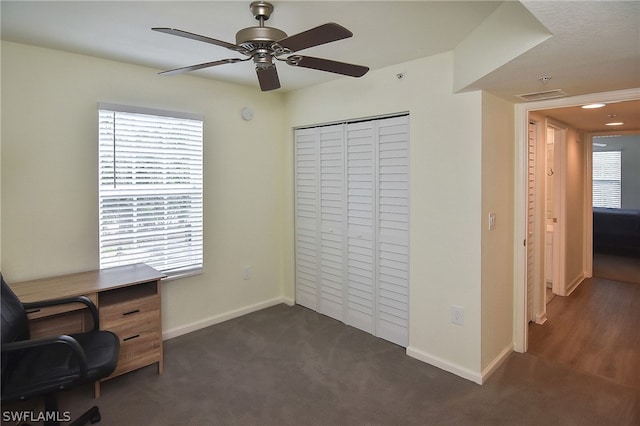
(95, 418)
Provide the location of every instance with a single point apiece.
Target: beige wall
(497, 197)
(49, 176)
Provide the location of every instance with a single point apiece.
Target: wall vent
(539, 96)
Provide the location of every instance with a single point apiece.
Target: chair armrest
(67, 300)
(73, 345)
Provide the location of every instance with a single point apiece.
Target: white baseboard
(575, 283)
(288, 301)
(541, 318)
(458, 370)
(445, 365)
(497, 361)
(206, 322)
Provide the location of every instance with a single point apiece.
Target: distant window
(607, 182)
(150, 189)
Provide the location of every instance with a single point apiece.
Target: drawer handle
(131, 312)
(33, 311)
(130, 338)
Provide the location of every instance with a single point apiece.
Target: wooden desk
(128, 301)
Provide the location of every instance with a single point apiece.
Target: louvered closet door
(331, 221)
(307, 217)
(393, 230)
(352, 224)
(320, 219)
(361, 253)
(378, 227)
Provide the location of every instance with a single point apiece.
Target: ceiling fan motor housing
(258, 41)
(255, 37)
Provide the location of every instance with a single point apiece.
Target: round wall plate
(246, 113)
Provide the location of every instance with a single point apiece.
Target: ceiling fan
(264, 44)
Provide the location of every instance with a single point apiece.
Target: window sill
(185, 274)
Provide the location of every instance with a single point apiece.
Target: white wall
(445, 211)
(49, 177)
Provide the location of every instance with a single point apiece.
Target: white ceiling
(595, 45)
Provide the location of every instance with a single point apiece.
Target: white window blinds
(607, 179)
(150, 189)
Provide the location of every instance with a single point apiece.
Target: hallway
(595, 329)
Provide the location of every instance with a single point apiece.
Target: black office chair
(41, 367)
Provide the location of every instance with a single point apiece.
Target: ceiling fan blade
(268, 78)
(201, 66)
(198, 37)
(327, 65)
(325, 33)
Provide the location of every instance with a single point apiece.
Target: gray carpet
(291, 366)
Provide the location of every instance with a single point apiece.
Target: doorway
(545, 215)
(521, 311)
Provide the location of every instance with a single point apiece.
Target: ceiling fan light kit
(264, 44)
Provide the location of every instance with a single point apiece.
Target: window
(607, 184)
(150, 189)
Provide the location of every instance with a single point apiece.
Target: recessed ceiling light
(615, 123)
(593, 106)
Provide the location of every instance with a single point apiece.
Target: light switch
(246, 272)
(492, 221)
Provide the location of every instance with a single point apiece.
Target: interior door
(554, 209)
(533, 308)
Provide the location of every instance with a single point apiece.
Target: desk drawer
(134, 315)
(49, 311)
(137, 351)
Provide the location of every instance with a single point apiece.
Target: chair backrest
(15, 325)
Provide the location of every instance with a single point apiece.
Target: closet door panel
(306, 218)
(361, 282)
(393, 230)
(331, 152)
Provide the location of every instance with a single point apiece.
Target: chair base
(92, 415)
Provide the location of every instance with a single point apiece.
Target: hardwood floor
(597, 328)
(617, 268)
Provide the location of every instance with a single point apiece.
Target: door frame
(520, 320)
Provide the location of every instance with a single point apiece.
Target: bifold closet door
(360, 211)
(319, 219)
(393, 230)
(378, 227)
(352, 224)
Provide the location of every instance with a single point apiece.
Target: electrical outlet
(246, 273)
(457, 315)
